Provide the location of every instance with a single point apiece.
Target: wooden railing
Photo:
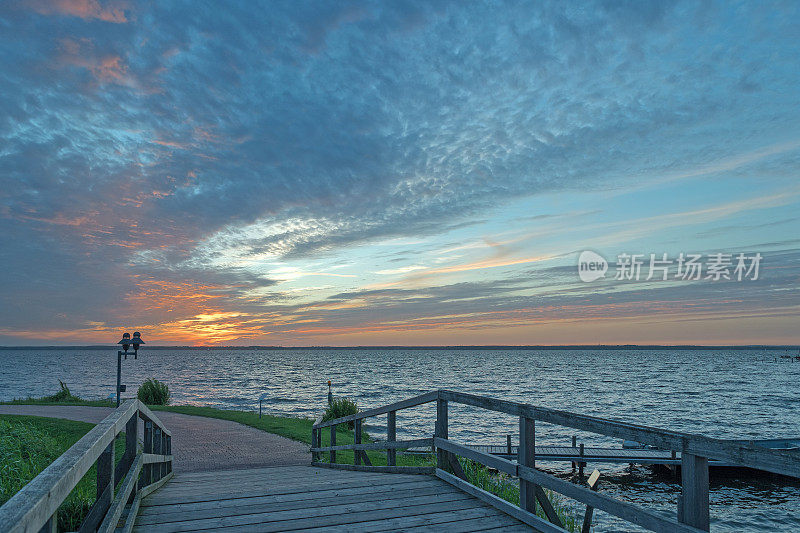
(35, 506)
(696, 450)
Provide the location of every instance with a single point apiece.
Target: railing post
(105, 478)
(51, 526)
(169, 452)
(157, 450)
(314, 455)
(147, 447)
(333, 443)
(163, 466)
(391, 436)
(693, 503)
(441, 432)
(526, 456)
(357, 440)
(131, 441)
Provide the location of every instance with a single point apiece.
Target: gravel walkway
(198, 443)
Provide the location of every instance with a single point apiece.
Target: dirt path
(198, 443)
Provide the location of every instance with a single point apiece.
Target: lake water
(742, 394)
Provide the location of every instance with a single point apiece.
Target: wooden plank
(274, 504)
(31, 507)
(694, 492)
(500, 504)
(455, 466)
(391, 437)
(457, 525)
(329, 515)
(146, 414)
(292, 478)
(131, 443)
(381, 491)
(130, 521)
(626, 511)
(440, 431)
(333, 443)
(527, 456)
(356, 441)
(96, 512)
(404, 523)
(150, 458)
(547, 506)
(404, 404)
(384, 469)
(118, 506)
(203, 494)
(155, 486)
(736, 453)
(492, 461)
(351, 519)
(147, 447)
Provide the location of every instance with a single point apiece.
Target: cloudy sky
(333, 173)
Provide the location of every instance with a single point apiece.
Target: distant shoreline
(454, 347)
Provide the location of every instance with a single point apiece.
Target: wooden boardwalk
(304, 498)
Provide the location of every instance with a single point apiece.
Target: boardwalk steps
(298, 498)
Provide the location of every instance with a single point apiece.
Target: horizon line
(412, 347)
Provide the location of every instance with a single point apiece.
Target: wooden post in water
(526, 456)
(391, 436)
(693, 504)
(587, 517)
(333, 443)
(581, 464)
(441, 432)
(357, 440)
(508, 444)
(574, 445)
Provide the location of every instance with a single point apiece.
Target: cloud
(180, 144)
(85, 9)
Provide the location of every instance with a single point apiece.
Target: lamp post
(126, 342)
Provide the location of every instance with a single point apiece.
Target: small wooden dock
(140, 492)
(303, 498)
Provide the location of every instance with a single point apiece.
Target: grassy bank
(28, 444)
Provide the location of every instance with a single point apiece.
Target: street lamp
(126, 343)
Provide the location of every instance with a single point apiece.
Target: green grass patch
(507, 488)
(28, 444)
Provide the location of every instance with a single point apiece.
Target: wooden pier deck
(141, 492)
(304, 498)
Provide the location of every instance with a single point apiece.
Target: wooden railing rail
(34, 508)
(693, 505)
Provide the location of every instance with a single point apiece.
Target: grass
(62, 397)
(28, 444)
(507, 488)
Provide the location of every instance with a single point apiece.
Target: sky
(398, 173)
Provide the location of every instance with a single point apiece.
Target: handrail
(34, 507)
(737, 453)
(695, 451)
(428, 397)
